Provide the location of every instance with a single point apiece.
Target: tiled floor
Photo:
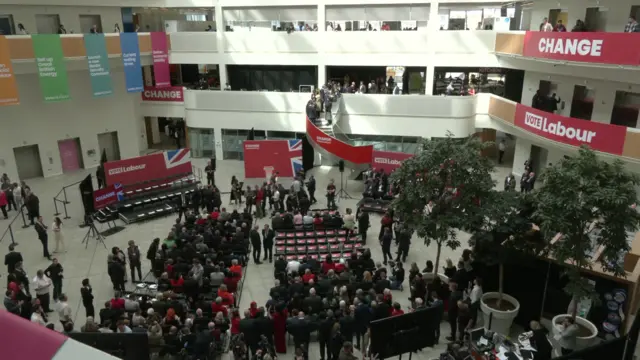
(80, 263)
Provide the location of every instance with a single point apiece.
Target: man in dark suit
(41, 229)
(531, 180)
(385, 241)
(300, 328)
(510, 183)
(248, 328)
(454, 297)
(12, 258)
(312, 303)
(267, 242)
(254, 236)
(32, 204)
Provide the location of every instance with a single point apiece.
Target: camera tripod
(342, 193)
(92, 232)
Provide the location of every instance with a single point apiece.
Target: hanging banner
(51, 67)
(96, 47)
(131, 60)
(160, 53)
(8, 87)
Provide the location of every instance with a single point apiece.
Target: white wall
(617, 11)
(69, 15)
(84, 117)
(605, 92)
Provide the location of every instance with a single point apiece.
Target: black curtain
(513, 83)
(86, 194)
(272, 78)
(308, 155)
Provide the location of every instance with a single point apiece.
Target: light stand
(342, 193)
(92, 232)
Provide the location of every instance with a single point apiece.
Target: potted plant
(509, 231)
(579, 197)
(442, 188)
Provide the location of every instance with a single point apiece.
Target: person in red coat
(215, 214)
(308, 275)
(117, 302)
(397, 310)
(227, 297)
(253, 309)
(280, 329)
(3, 204)
(328, 264)
(235, 322)
(217, 306)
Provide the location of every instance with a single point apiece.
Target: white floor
(80, 263)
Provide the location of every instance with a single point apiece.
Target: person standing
(12, 258)
(33, 206)
(385, 241)
(64, 311)
(510, 183)
(259, 198)
(41, 229)
(57, 235)
(311, 187)
(502, 146)
(42, 285)
(331, 195)
(546, 26)
(3, 203)
(267, 242)
(11, 201)
(254, 236)
(454, 297)
(87, 298)
(17, 196)
(209, 171)
(363, 225)
(133, 253)
(54, 272)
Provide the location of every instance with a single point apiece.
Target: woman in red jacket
(235, 322)
(177, 283)
(328, 264)
(279, 329)
(3, 204)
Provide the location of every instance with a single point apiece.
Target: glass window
(196, 17)
(474, 19)
(491, 13)
(457, 14)
(444, 22)
(202, 142)
(511, 12)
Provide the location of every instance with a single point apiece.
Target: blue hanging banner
(131, 60)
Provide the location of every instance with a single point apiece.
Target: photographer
(331, 195)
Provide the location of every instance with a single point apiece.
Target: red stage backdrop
(169, 94)
(388, 160)
(592, 47)
(107, 196)
(148, 167)
(285, 156)
(601, 137)
(350, 153)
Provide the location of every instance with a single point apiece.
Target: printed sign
(388, 161)
(160, 54)
(592, 47)
(337, 148)
(98, 60)
(150, 167)
(51, 67)
(8, 87)
(601, 137)
(131, 61)
(170, 94)
(108, 196)
(282, 156)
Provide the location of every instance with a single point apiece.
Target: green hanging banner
(96, 48)
(51, 67)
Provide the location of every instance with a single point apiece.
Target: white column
(429, 76)
(434, 19)
(322, 75)
(605, 98)
(521, 153)
(217, 134)
(322, 18)
(222, 70)
(155, 130)
(220, 44)
(565, 93)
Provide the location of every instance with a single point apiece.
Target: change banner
(51, 67)
(96, 48)
(8, 87)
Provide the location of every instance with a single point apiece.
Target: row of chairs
(309, 234)
(336, 255)
(280, 250)
(319, 241)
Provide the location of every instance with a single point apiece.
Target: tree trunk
(500, 284)
(574, 311)
(437, 264)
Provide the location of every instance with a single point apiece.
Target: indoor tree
(443, 187)
(576, 192)
(509, 231)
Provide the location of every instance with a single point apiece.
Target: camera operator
(331, 195)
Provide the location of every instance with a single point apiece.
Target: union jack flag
(295, 153)
(173, 158)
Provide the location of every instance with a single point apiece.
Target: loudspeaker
(213, 164)
(341, 165)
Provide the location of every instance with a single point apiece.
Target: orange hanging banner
(8, 87)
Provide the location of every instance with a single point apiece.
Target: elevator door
(28, 161)
(70, 155)
(109, 143)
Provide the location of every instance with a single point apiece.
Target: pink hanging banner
(160, 53)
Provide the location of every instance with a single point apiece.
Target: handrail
(10, 230)
(65, 201)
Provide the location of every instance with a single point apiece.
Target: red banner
(591, 47)
(168, 94)
(342, 150)
(601, 137)
(264, 157)
(149, 167)
(388, 160)
(107, 196)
